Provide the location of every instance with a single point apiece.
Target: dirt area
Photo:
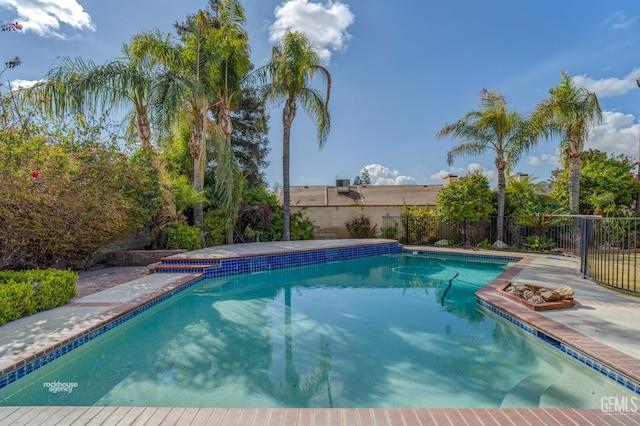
(95, 280)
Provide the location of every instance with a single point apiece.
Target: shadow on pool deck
(604, 324)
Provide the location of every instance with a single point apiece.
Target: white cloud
(22, 84)
(325, 25)
(45, 17)
(617, 134)
(381, 175)
(609, 86)
(490, 174)
(543, 159)
(619, 21)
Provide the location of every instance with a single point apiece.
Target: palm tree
(293, 65)
(568, 112)
(184, 88)
(496, 129)
(125, 84)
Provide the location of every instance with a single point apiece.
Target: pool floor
(21, 344)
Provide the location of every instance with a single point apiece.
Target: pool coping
(612, 363)
(586, 345)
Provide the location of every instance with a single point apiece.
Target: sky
(400, 71)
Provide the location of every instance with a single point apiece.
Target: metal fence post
(582, 245)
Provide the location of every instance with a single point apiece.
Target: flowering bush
(360, 227)
(254, 219)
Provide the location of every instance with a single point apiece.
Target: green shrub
(26, 292)
(301, 227)
(182, 236)
(421, 225)
(390, 232)
(360, 227)
(539, 243)
(214, 227)
(16, 300)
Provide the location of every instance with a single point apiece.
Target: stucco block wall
(330, 220)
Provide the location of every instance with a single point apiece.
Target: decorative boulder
(565, 292)
(441, 242)
(499, 245)
(551, 296)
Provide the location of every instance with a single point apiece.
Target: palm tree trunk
(574, 184)
(501, 191)
(288, 114)
(196, 146)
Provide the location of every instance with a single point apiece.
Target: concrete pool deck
(603, 324)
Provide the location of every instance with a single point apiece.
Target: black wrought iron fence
(536, 233)
(609, 253)
(608, 247)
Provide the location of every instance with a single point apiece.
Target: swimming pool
(369, 332)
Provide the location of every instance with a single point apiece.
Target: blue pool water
(370, 332)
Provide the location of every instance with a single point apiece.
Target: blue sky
(401, 70)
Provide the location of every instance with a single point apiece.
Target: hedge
(24, 293)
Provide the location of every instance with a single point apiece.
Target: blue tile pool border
(594, 364)
(227, 267)
(262, 263)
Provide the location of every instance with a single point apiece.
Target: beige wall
(330, 220)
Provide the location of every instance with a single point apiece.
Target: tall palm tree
(492, 128)
(184, 88)
(293, 65)
(568, 113)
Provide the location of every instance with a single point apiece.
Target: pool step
(183, 268)
(530, 390)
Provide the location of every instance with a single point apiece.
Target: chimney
(521, 177)
(450, 179)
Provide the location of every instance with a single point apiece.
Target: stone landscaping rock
(499, 245)
(442, 242)
(536, 300)
(551, 296)
(565, 292)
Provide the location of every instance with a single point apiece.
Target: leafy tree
(601, 174)
(363, 179)
(288, 77)
(492, 128)
(468, 199)
(568, 112)
(249, 138)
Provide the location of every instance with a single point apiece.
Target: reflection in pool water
(369, 332)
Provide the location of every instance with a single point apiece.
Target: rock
(441, 242)
(528, 294)
(499, 245)
(520, 287)
(565, 292)
(551, 296)
(536, 300)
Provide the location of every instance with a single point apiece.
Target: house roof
(368, 195)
